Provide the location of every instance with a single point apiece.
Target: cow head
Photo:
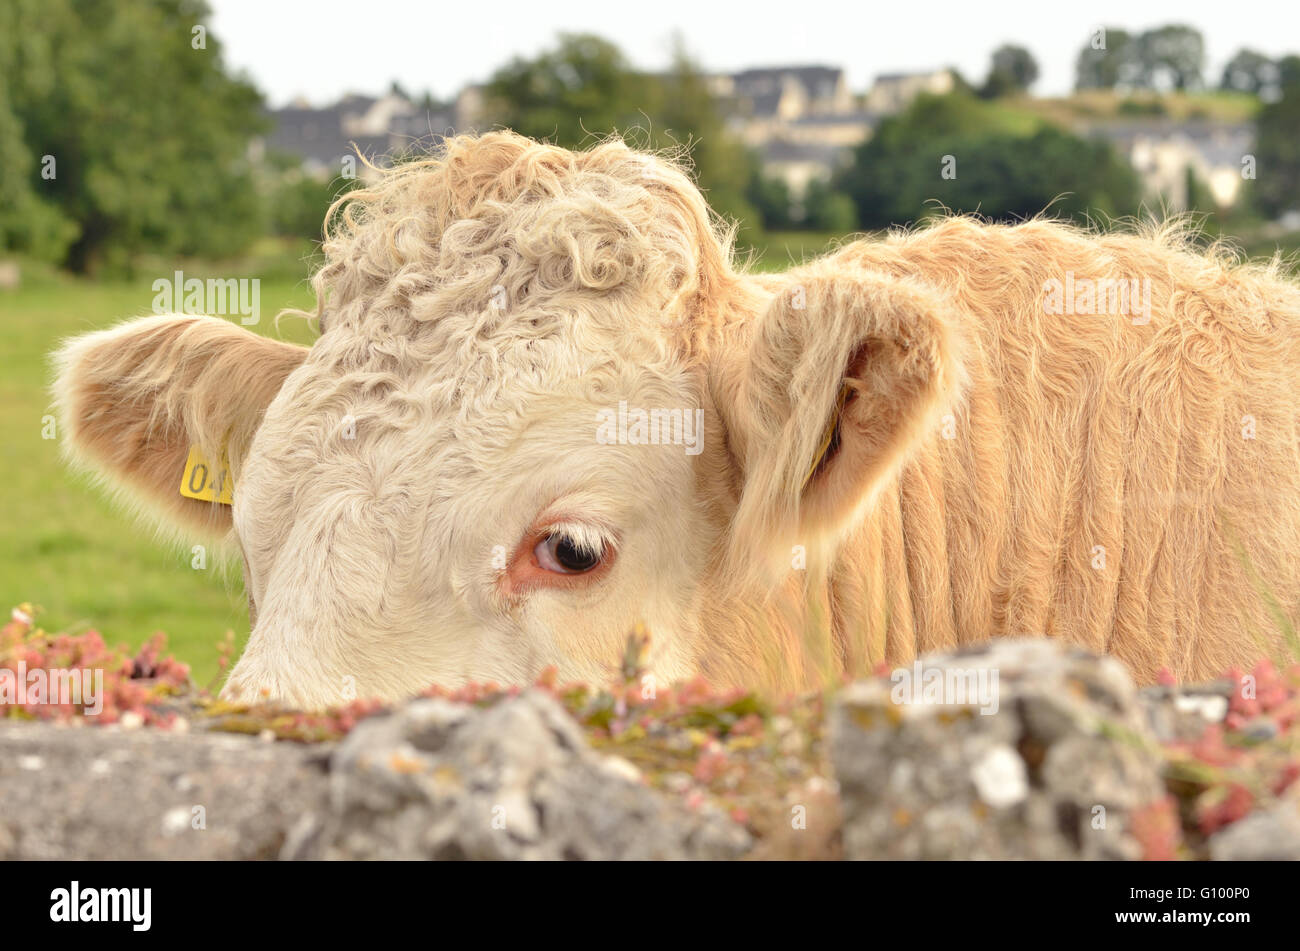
(543, 409)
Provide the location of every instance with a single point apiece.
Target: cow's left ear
(841, 377)
(135, 399)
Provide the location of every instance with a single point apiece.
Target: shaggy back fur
(1131, 486)
(996, 468)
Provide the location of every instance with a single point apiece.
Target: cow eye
(560, 553)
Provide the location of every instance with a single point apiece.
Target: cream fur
(480, 309)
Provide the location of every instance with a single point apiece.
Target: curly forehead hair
(500, 214)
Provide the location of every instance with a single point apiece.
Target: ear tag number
(208, 483)
(825, 443)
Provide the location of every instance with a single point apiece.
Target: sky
(321, 49)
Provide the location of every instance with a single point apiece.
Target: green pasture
(64, 546)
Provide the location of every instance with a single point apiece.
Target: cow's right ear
(832, 386)
(134, 399)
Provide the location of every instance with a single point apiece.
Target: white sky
(323, 48)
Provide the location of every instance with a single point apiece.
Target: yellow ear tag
(828, 435)
(205, 482)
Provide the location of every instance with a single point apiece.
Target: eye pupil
(572, 557)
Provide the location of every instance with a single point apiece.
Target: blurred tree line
(1169, 57)
(1277, 136)
(122, 132)
(960, 153)
(584, 89)
(977, 150)
(1173, 57)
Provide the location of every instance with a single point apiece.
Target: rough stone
(107, 793)
(1182, 713)
(431, 780)
(514, 781)
(1272, 834)
(1046, 757)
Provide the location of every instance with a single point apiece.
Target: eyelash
(561, 553)
(586, 537)
(528, 569)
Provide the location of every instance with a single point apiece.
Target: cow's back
(1131, 485)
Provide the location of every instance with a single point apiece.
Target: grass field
(64, 546)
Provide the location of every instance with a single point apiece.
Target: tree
(828, 210)
(1277, 145)
(1013, 70)
(1288, 71)
(973, 156)
(1107, 60)
(580, 90)
(30, 221)
(296, 202)
(1171, 56)
(684, 113)
(148, 133)
(584, 89)
(770, 196)
(1250, 72)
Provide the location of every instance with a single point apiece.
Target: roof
(781, 150)
(860, 117)
(807, 74)
(915, 74)
(1219, 143)
(816, 80)
(316, 135)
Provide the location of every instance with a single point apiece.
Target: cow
(547, 407)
